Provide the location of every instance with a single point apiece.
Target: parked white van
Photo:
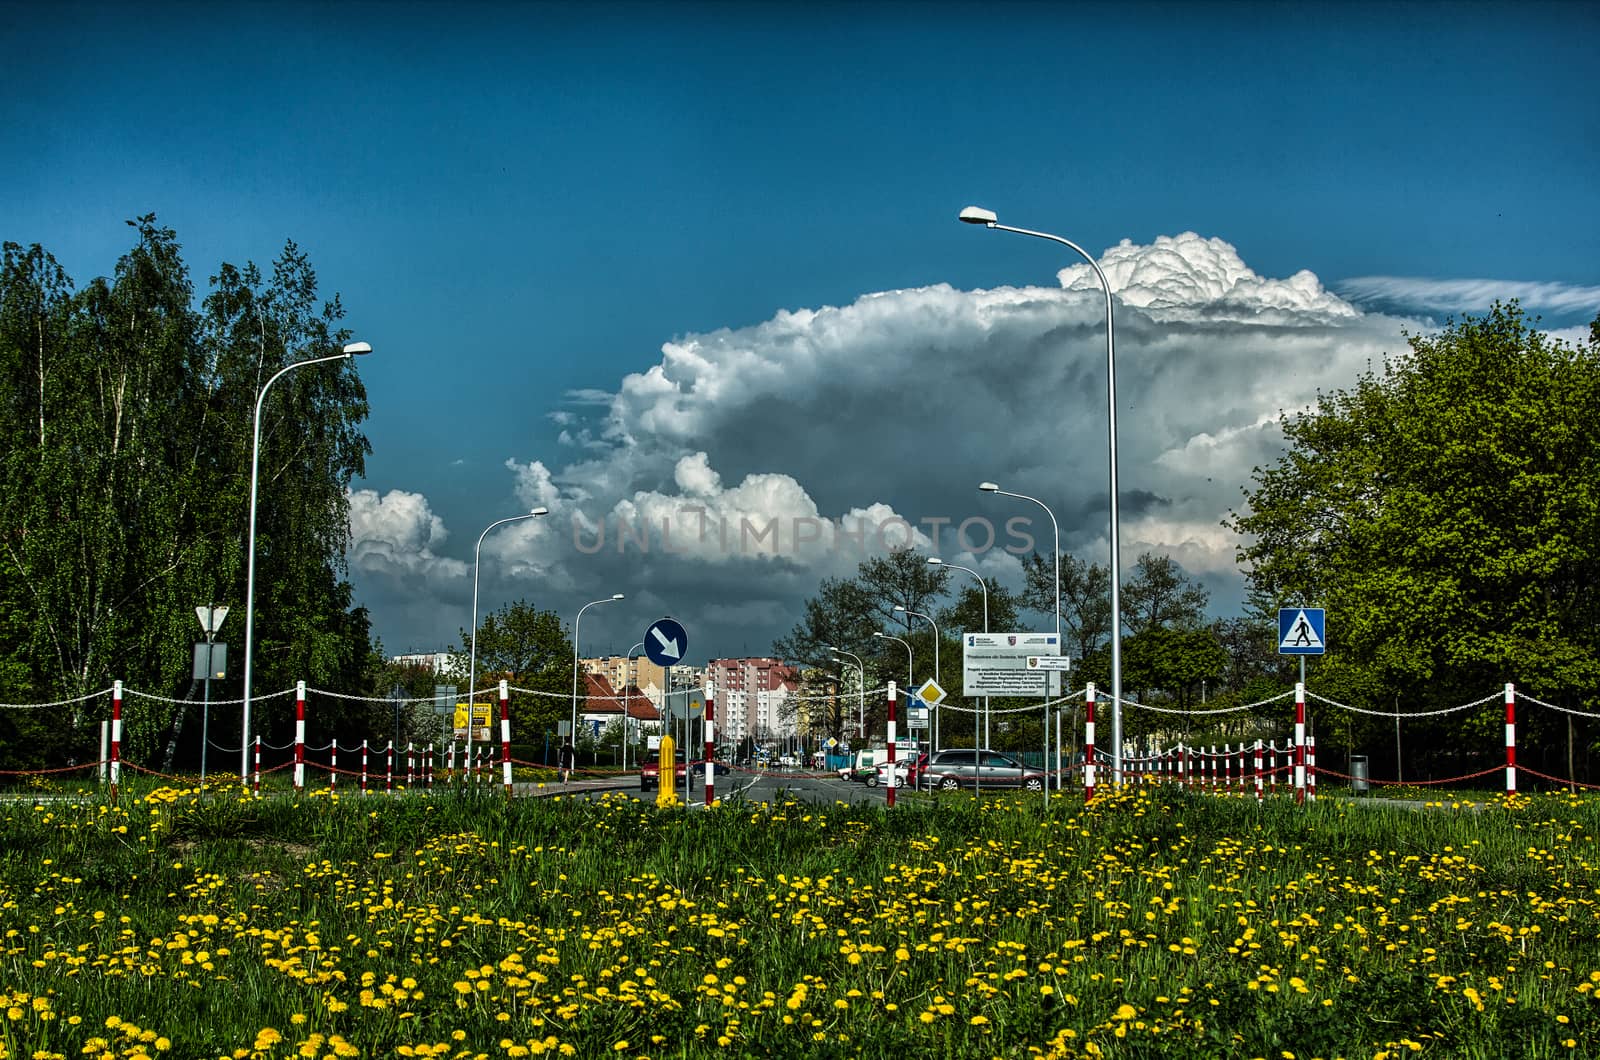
(866, 764)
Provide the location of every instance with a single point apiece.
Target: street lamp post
(1055, 598)
(574, 735)
(900, 609)
(350, 349)
(861, 716)
(990, 487)
(935, 561)
(633, 682)
(472, 664)
(977, 215)
(910, 659)
(911, 688)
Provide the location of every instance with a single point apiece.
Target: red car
(650, 773)
(907, 771)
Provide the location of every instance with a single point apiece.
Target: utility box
(1358, 773)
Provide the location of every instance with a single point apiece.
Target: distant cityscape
(755, 697)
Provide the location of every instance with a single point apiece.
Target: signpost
(211, 617)
(1302, 631)
(665, 641)
(931, 695)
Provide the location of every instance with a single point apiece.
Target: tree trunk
(180, 710)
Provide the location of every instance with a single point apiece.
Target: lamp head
(988, 487)
(351, 349)
(934, 561)
(900, 608)
(877, 633)
(616, 596)
(541, 510)
(977, 215)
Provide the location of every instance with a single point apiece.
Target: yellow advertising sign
(480, 715)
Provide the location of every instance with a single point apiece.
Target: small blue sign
(665, 642)
(1302, 631)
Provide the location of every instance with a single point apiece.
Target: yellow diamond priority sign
(930, 693)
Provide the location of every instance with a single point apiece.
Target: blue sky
(520, 204)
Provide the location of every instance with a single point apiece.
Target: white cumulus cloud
(1424, 294)
(724, 481)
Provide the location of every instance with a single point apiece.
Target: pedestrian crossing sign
(1302, 631)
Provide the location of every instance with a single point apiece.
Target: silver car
(970, 768)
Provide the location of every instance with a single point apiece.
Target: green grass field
(1154, 923)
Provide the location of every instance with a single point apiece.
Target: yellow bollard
(667, 778)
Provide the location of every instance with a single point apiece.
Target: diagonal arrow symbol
(669, 647)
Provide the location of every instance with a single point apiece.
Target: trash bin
(1358, 773)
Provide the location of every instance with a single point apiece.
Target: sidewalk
(550, 788)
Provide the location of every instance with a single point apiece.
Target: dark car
(970, 768)
(650, 773)
(719, 769)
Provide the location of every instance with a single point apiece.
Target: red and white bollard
(430, 768)
(1259, 793)
(411, 764)
(1299, 742)
(258, 765)
(1311, 767)
(890, 793)
(299, 736)
(711, 745)
(388, 778)
(363, 767)
(1088, 743)
(116, 738)
(505, 736)
(333, 767)
(1511, 738)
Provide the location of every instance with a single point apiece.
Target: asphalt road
(751, 787)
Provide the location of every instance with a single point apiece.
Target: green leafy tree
(1083, 594)
(842, 614)
(125, 423)
(1161, 595)
(99, 501)
(966, 614)
(530, 648)
(1445, 511)
(847, 611)
(902, 578)
(306, 626)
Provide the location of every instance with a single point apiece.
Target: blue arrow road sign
(665, 642)
(1302, 631)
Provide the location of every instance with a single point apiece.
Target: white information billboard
(996, 664)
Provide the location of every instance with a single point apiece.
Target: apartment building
(622, 671)
(752, 697)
